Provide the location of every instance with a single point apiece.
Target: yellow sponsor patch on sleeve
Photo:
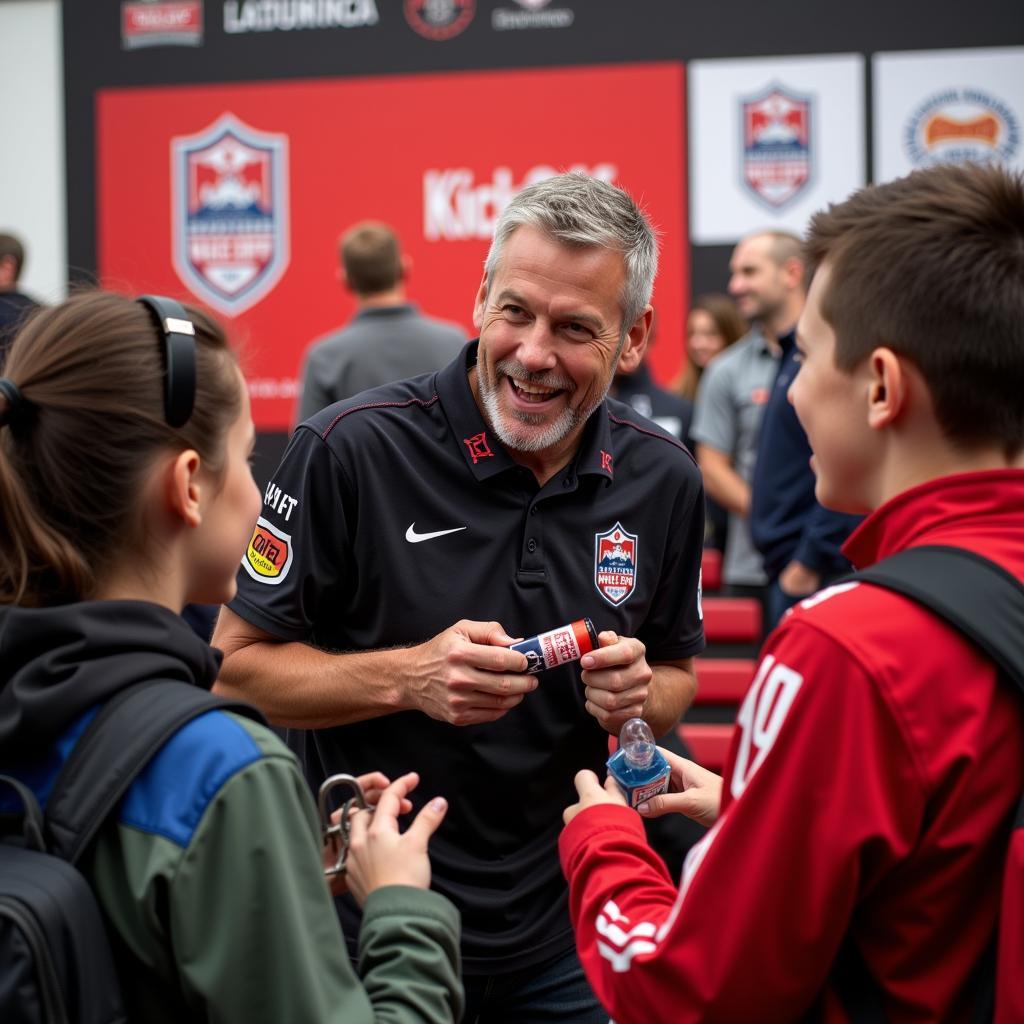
(268, 557)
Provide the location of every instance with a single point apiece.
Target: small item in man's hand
(558, 646)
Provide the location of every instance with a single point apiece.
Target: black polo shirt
(395, 514)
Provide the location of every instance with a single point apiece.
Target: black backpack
(985, 603)
(56, 961)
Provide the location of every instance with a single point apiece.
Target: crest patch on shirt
(268, 557)
(615, 563)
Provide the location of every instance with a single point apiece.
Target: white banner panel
(940, 106)
(772, 140)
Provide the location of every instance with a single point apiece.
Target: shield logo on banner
(776, 145)
(615, 562)
(229, 186)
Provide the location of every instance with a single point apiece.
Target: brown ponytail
(76, 444)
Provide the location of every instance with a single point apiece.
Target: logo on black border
(161, 23)
(439, 19)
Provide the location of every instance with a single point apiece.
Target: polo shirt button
(534, 509)
(531, 545)
(567, 482)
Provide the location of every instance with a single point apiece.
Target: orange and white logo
(958, 125)
(268, 557)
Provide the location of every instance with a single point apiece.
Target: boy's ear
(183, 488)
(887, 388)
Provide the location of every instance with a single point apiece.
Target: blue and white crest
(776, 145)
(615, 563)
(229, 186)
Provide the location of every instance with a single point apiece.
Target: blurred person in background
(731, 400)
(388, 339)
(799, 541)
(667, 408)
(713, 325)
(14, 304)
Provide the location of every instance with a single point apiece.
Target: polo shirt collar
(371, 312)
(760, 341)
(485, 455)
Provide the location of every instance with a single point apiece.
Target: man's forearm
(672, 690)
(297, 685)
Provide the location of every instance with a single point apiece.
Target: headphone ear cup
(179, 343)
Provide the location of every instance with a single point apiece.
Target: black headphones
(179, 337)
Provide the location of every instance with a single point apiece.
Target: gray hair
(578, 210)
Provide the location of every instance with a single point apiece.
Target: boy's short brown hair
(932, 267)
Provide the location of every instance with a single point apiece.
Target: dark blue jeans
(555, 992)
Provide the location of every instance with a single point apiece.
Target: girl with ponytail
(125, 493)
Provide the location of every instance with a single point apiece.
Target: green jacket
(211, 878)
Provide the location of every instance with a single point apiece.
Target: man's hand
(797, 580)
(693, 791)
(381, 855)
(591, 793)
(617, 680)
(466, 675)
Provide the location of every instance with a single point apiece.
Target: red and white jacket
(869, 792)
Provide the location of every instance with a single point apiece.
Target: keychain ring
(339, 836)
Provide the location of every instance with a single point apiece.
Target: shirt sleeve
(298, 559)
(811, 816)
(822, 539)
(714, 415)
(255, 933)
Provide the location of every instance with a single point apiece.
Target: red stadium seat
(711, 569)
(732, 620)
(723, 680)
(708, 742)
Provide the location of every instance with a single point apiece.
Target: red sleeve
(822, 796)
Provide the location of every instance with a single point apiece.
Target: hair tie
(16, 401)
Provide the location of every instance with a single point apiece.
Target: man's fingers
(498, 682)
(489, 633)
(624, 652)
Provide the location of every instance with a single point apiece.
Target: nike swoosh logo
(415, 538)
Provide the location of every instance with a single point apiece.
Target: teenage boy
(869, 793)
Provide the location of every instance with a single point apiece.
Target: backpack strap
(31, 818)
(116, 746)
(985, 603)
(972, 593)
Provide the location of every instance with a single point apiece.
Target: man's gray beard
(557, 432)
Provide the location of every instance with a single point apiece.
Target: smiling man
(508, 495)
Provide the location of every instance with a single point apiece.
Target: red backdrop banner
(234, 196)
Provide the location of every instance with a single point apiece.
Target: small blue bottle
(638, 766)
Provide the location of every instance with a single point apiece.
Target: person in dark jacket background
(798, 539)
(14, 305)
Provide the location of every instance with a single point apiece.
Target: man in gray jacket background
(388, 339)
